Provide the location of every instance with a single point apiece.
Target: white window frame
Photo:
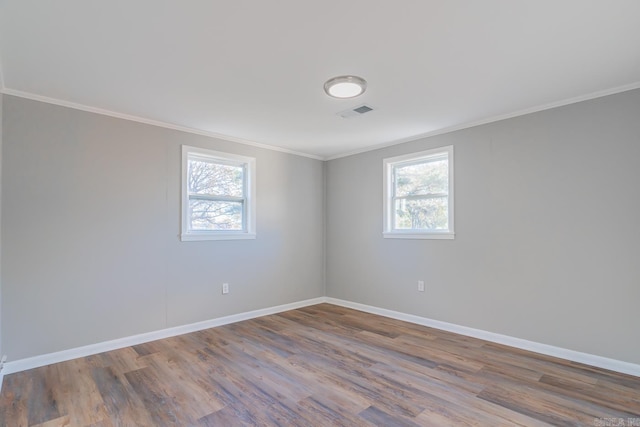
(249, 205)
(389, 189)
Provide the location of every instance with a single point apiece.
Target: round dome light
(345, 86)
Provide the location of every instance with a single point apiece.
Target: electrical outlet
(421, 285)
(225, 288)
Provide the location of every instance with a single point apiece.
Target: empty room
(336, 213)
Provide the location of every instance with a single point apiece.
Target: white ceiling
(254, 71)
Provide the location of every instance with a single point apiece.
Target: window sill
(190, 237)
(413, 235)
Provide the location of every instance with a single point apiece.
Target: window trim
(388, 164)
(249, 217)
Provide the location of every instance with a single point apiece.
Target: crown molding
(492, 119)
(555, 104)
(158, 123)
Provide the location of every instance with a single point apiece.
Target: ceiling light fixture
(345, 86)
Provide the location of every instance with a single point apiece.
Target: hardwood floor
(319, 366)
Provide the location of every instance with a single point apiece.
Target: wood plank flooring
(319, 366)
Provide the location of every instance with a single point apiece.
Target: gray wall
(1, 97)
(90, 224)
(546, 247)
(547, 230)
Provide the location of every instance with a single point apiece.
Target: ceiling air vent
(354, 112)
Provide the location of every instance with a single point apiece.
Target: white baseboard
(88, 350)
(2, 362)
(549, 350)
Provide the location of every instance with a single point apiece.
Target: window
(418, 195)
(218, 195)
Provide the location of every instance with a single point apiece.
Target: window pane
(425, 214)
(429, 177)
(215, 215)
(215, 179)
